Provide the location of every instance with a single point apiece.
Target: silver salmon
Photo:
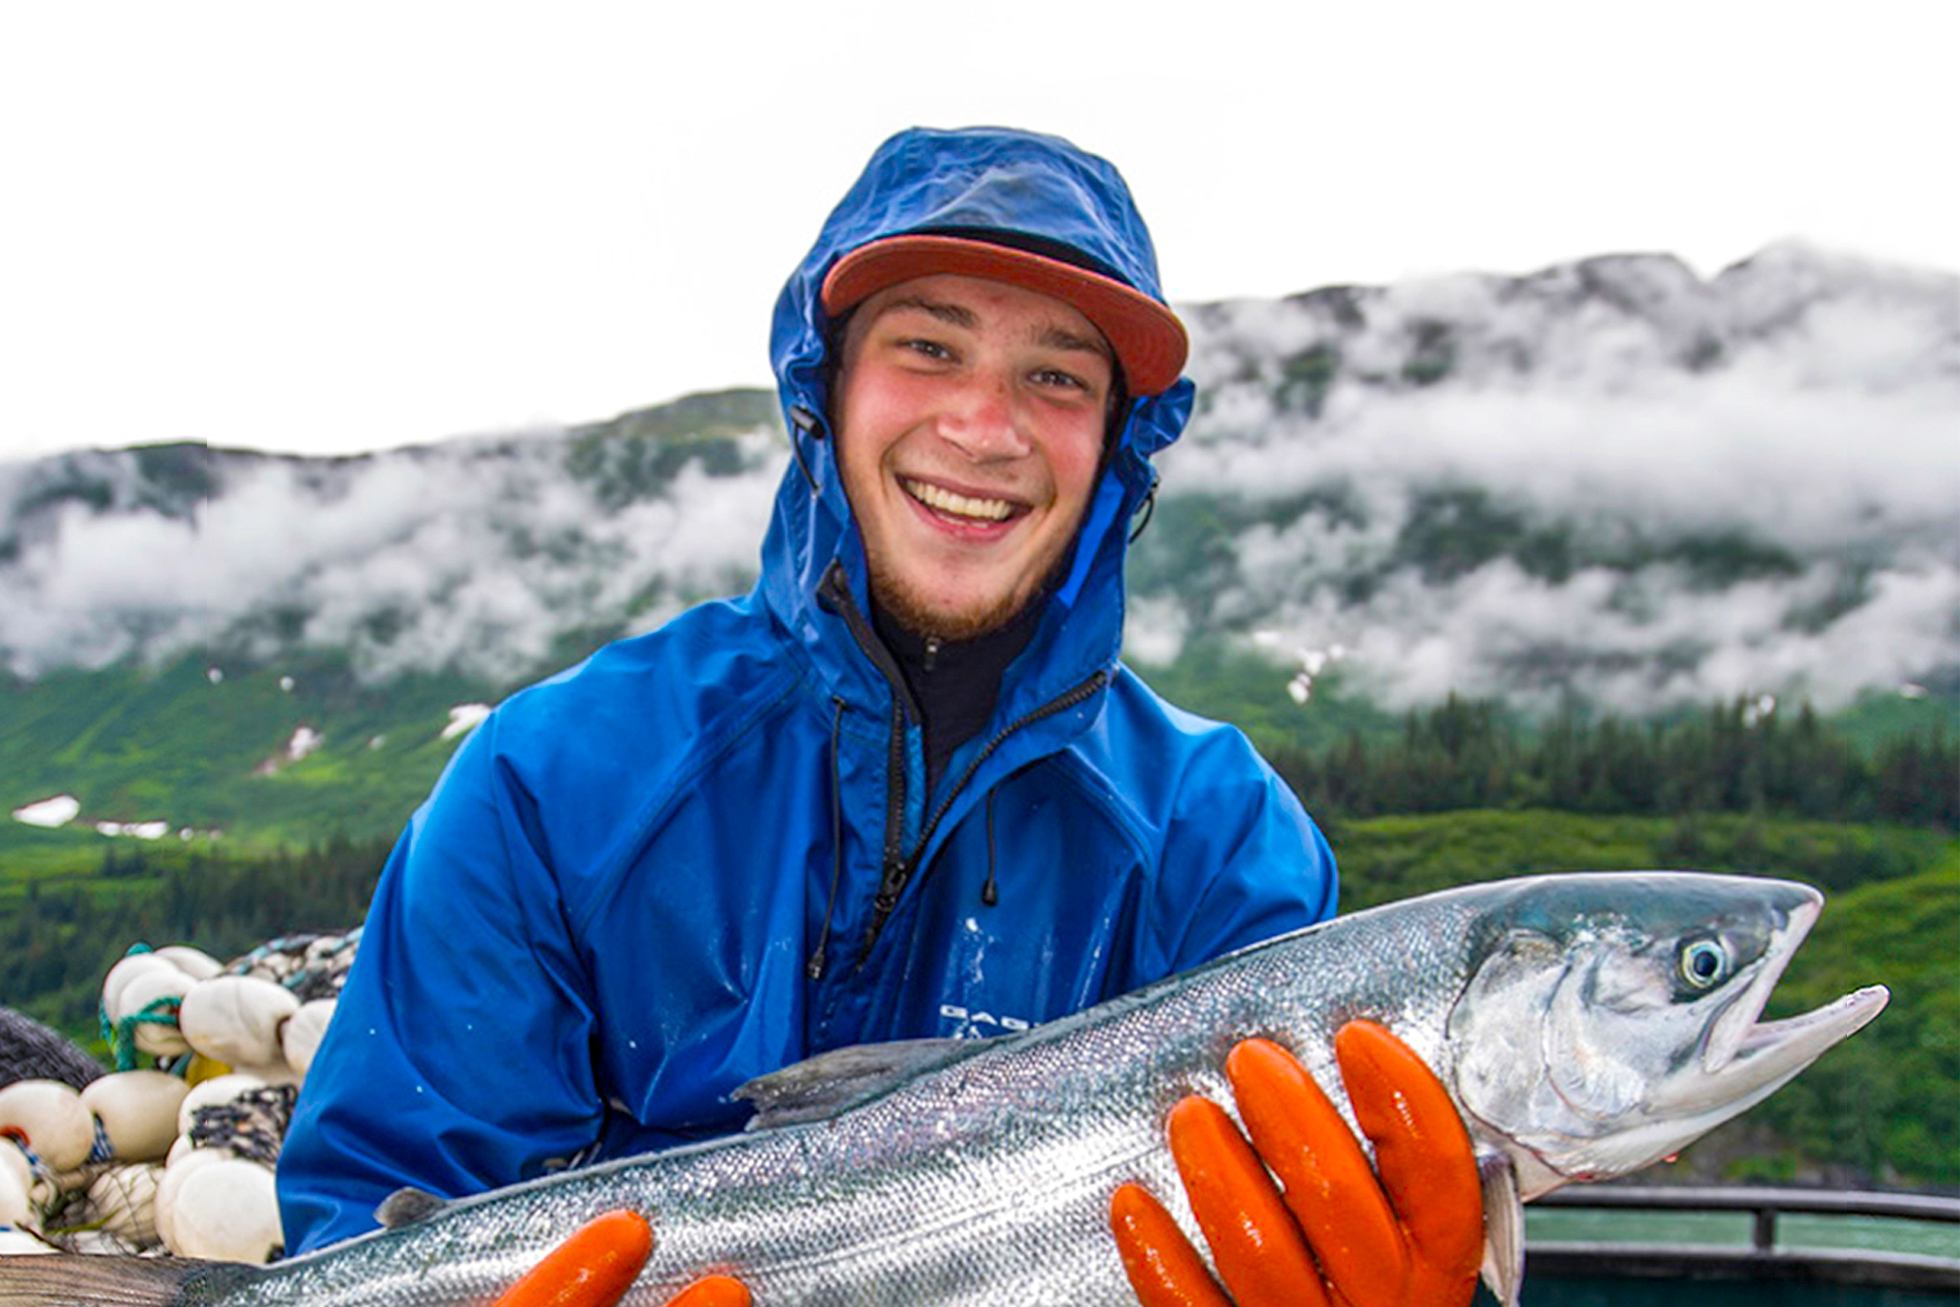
(1585, 1025)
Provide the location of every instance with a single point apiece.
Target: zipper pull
(883, 904)
(932, 651)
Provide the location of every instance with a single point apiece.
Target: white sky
(345, 226)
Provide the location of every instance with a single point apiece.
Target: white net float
(224, 1210)
(193, 962)
(16, 1183)
(120, 975)
(49, 1118)
(304, 1031)
(183, 1164)
(145, 1012)
(13, 1162)
(236, 1019)
(138, 1111)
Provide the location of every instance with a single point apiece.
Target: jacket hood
(973, 180)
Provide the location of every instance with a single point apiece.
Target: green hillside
(263, 843)
(1888, 1101)
(204, 745)
(1385, 859)
(1883, 1108)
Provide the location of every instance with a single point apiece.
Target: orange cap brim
(1149, 340)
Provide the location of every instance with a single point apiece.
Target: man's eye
(1055, 377)
(930, 348)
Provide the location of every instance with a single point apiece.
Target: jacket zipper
(893, 874)
(899, 875)
(898, 869)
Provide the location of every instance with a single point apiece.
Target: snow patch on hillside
(49, 814)
(463, 719)
(141, 830)
(305, 741)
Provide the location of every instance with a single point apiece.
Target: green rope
(160, 1012)
(120, 1036)
(102, 1013)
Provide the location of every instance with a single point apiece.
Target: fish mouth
(1799, 1036)
(1743, 1056)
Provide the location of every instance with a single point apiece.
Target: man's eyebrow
(955, 315)
(1062, 338)
(1051, 336)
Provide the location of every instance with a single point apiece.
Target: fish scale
(981, 1173)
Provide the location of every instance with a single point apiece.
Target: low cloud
(1793, 420)
(1613, 478)
(471, 556)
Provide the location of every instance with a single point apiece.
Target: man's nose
(985, 419)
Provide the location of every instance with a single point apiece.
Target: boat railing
(1767, 1256)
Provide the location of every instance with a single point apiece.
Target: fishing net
(252, 1125)
(31, 1051)
(310, 966)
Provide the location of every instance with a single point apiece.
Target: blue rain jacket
(604, 918)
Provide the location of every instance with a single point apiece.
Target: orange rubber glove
(1409, 1230)
(597, 1263)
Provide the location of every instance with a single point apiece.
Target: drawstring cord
(1144, 514)
(990, 892)
(814, 969)
(806, 422)
(894, 885)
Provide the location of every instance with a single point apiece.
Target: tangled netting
(251, 1125)
(31, 1051)
(311, 966)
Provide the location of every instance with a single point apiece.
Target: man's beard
(905, 606)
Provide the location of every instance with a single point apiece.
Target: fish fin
(1503, 1227)
(79, 1280)
(407, 1206)
(828, 1083)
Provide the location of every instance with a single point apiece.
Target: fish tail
(77, 1280)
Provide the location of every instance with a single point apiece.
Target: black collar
(955, 682)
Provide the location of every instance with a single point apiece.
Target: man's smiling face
(970, 417)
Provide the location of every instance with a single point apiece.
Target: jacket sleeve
(459, 1058)
(1242, 861)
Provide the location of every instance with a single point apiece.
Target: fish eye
(1704, 963)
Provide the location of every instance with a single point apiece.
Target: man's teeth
(945, 501)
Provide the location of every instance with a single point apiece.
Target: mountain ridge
(1609, 478)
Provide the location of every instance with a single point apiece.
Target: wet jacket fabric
(707, 852)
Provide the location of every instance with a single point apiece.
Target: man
(901, 789)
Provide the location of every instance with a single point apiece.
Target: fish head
(1611, 1019)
